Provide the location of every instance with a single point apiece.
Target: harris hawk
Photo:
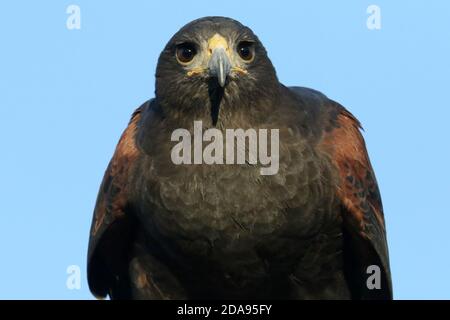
(161, 230)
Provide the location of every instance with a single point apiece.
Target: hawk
(162, 230)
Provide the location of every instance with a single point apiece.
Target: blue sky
(66, 95)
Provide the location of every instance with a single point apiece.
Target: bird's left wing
(362, 212)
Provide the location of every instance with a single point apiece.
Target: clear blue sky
(66, 95)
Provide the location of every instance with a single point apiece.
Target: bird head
(214, 61)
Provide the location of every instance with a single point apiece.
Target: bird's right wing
(111, 225)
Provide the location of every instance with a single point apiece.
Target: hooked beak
(219, 65)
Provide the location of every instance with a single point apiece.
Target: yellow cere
(217, 41)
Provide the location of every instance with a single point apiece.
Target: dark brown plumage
(166, 231)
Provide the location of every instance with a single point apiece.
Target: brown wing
(362, 211)
(111, 225)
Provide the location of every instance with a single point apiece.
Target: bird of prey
(313, 230)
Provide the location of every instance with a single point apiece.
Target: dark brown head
(213, 63)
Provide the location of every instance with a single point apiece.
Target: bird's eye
(186, 52)
(246, 50)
